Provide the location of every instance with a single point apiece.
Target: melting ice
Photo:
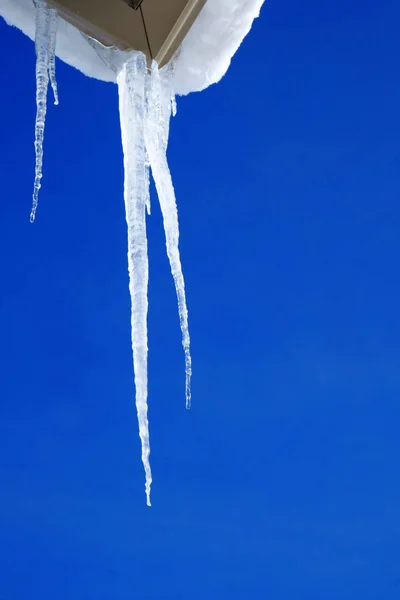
(145, 109)
(45, 45)
(146, 100)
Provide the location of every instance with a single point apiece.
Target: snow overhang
(205, 52)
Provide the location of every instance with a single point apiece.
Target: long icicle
(157, 128)
(131, 88)
(53, 24)
(42, 82)
(45, 42)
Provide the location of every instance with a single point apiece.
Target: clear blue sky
(283, 482)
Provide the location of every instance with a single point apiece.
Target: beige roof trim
(156, 27)
(179, 31)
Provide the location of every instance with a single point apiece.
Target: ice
(131, 88)
(45, 41)
(174, 107)
(157, 129)
(148, 201)
(145, 108)
(52, 52)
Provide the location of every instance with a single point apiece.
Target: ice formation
(146, 102)
(131, 87)
(45, 44)
(159, 106)
(53, 18)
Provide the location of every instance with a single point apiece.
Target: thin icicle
(174, 108)
(52, 51)
(131, 87)
(45, 40)
(157, 128)
(42, 81)
(170, 71)
(148, 201)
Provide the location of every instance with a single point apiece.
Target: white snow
(45, 37)
(213, 39)
(205, 53)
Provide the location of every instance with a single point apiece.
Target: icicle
(52, 51)
(42, 81)
(131, 87)
(157, 128)
(170, 76)
(148, 201)
(174, 108)
(45, 41)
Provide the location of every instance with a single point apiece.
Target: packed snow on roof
(146, 102)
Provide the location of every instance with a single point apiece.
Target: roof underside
(155, 27)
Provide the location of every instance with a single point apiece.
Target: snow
(213, 39)
(45, 37)
(131, 87)
(204, 56)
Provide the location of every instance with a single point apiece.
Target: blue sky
(283, 482)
